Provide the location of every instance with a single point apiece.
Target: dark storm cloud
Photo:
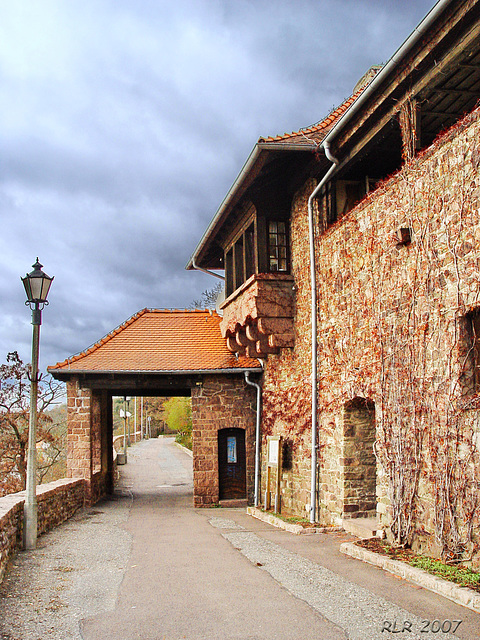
(125, 123)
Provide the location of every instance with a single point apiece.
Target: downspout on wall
(313, 322)
(314, 351)
(410, 42)
(256, 498)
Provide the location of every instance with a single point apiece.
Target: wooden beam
(437, 71)
(442, 114)
(456, 92)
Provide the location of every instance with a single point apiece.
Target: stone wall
(220, 402)
(391, 330)
(287, 386)
(57, 501)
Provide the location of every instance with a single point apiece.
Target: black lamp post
(37, 285)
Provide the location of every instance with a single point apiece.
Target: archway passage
(232, 467)
(360, 467)
(159, 353)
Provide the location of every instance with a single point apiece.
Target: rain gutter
(409, 43)
(79, 372)
(246, 169)
(210, 273)
(258, 419)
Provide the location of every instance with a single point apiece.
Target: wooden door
(232, 468)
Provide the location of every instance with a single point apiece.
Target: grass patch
(459, 574)
(305, 522)
(185, 439)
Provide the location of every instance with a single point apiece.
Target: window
(240, 260)
(261, 246)
(472, 351)
(340, 197)
(277, 246)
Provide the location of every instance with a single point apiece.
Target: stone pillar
(107, 442)
(222, 401)
(89, 439)
(79, 448)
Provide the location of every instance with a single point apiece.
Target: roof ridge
(176, 310)
(121, 327)
(333, 115)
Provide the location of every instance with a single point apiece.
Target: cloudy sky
(125, 122)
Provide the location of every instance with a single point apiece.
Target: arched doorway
(232, 468)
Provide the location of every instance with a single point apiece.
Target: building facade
(370, 219)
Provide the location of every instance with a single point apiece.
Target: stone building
(351, 252)
(165, 353)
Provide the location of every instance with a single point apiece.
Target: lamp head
(37, 285)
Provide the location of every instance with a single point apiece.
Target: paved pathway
(148, 566)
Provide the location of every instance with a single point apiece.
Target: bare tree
(14, 419)
(208, 298)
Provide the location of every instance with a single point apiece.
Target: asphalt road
(147, 566)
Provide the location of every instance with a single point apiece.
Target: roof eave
(250, 163)
(389, 69)
(104, 372)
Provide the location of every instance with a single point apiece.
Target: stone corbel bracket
(258, 317)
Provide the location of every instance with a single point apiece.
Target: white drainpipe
(210, 273)
(313, 295)
(256, 500)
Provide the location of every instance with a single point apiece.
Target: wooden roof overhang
(440, 73)
(272, 168)
(438, 67)
(147, 383)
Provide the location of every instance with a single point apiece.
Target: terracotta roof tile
(316, 132)
(156, 340)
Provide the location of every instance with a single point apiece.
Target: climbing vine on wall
(294, 402)
(394, 334)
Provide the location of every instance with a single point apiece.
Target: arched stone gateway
(159, 353)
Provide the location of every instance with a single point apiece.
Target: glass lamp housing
(37, 284)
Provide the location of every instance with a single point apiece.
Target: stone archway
(164, 353)
(217, 400)
(359, 462)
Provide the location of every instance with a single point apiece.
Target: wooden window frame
(329, 200)
(473, 328)
(277, 246)
(248, 251)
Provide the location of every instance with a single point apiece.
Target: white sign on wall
(273, 451)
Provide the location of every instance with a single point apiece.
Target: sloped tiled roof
(159, 340)
(316, 132)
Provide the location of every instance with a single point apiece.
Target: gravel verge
(48, 591)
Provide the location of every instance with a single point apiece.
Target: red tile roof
(316, 132)
(159, 340)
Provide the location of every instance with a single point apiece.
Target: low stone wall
(57, 501)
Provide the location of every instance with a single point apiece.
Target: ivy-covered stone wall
(394, 331)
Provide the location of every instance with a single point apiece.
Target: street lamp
(37, 285)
